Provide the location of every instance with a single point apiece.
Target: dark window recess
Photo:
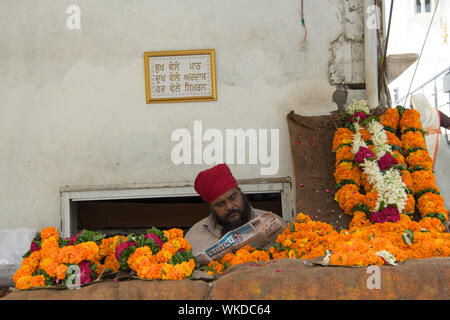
(427, 5)
(418, 6)
(125, 216)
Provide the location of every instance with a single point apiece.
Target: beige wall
(73, 109)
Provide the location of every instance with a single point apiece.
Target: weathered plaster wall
(73, 109)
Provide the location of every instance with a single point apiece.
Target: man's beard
(244, 217)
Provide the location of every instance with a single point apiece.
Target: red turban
(212, 183)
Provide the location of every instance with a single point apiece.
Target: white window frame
(71, 195)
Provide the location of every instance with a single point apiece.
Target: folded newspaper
(260, 232)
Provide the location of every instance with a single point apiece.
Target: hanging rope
(421, 51)
(382, 77)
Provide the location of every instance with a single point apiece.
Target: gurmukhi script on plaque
(179, 77)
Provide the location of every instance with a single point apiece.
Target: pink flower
(276, 271)
(123, 246)
(85, 272)
(361, 115)
(387, 161)
(155, 238)
(328, 190)
(363, 154)
(389, 214)
(301, 185)
(34, 247)
(73, 239)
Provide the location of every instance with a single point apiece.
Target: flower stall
(384, 182)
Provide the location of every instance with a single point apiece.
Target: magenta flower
(387, 161)
(34, 247)
(361, 115)
(389, 214)
(73, 239)
(155, 238)
(363, 154)
(85, 272)
(123, 246)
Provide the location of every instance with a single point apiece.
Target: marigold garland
(47, 265)
(357, 246)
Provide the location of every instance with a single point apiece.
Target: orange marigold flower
(342, 173)
(173, 233)
(410, 119)
(365, 134)
(423, 179)
(399, 157)
(393, 139)
(342, 136)
(431, 203)
(413, 139)
(420, 158)
(390, 118)
(370, 199)
(410, 204)
(48, 233)
(344, 153)
(30, 281)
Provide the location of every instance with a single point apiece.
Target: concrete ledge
(426, 279)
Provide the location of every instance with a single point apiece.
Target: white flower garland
(389, 185)
(358, 105)
(358, 141)
(379, 139)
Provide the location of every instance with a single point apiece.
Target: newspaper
(259, 232)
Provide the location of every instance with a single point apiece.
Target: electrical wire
(302, 17)
(421, 51)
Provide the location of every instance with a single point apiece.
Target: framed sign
(180, 76)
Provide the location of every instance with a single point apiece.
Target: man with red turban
(229, 207)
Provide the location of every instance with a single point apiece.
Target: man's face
(230, 209)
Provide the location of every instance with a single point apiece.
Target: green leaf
(343, 145)
(424, 191)
(390, 129)
(344, 182)
(292, 226)
(368, 120)
(412, 150)
(439, 216)
(416, 168)
(395, 147)
(27, 254)
(401, 110)
(408, 237)
(361, 207)
(410, 234)
(423, 132)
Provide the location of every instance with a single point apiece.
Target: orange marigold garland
(46, 263)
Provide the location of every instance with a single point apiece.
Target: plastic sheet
(14, 243)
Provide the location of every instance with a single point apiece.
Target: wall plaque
(180, 76)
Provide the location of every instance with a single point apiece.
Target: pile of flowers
(363, 244)
(154, 255)
(384, 176)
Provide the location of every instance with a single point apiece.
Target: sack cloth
(311, 140)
